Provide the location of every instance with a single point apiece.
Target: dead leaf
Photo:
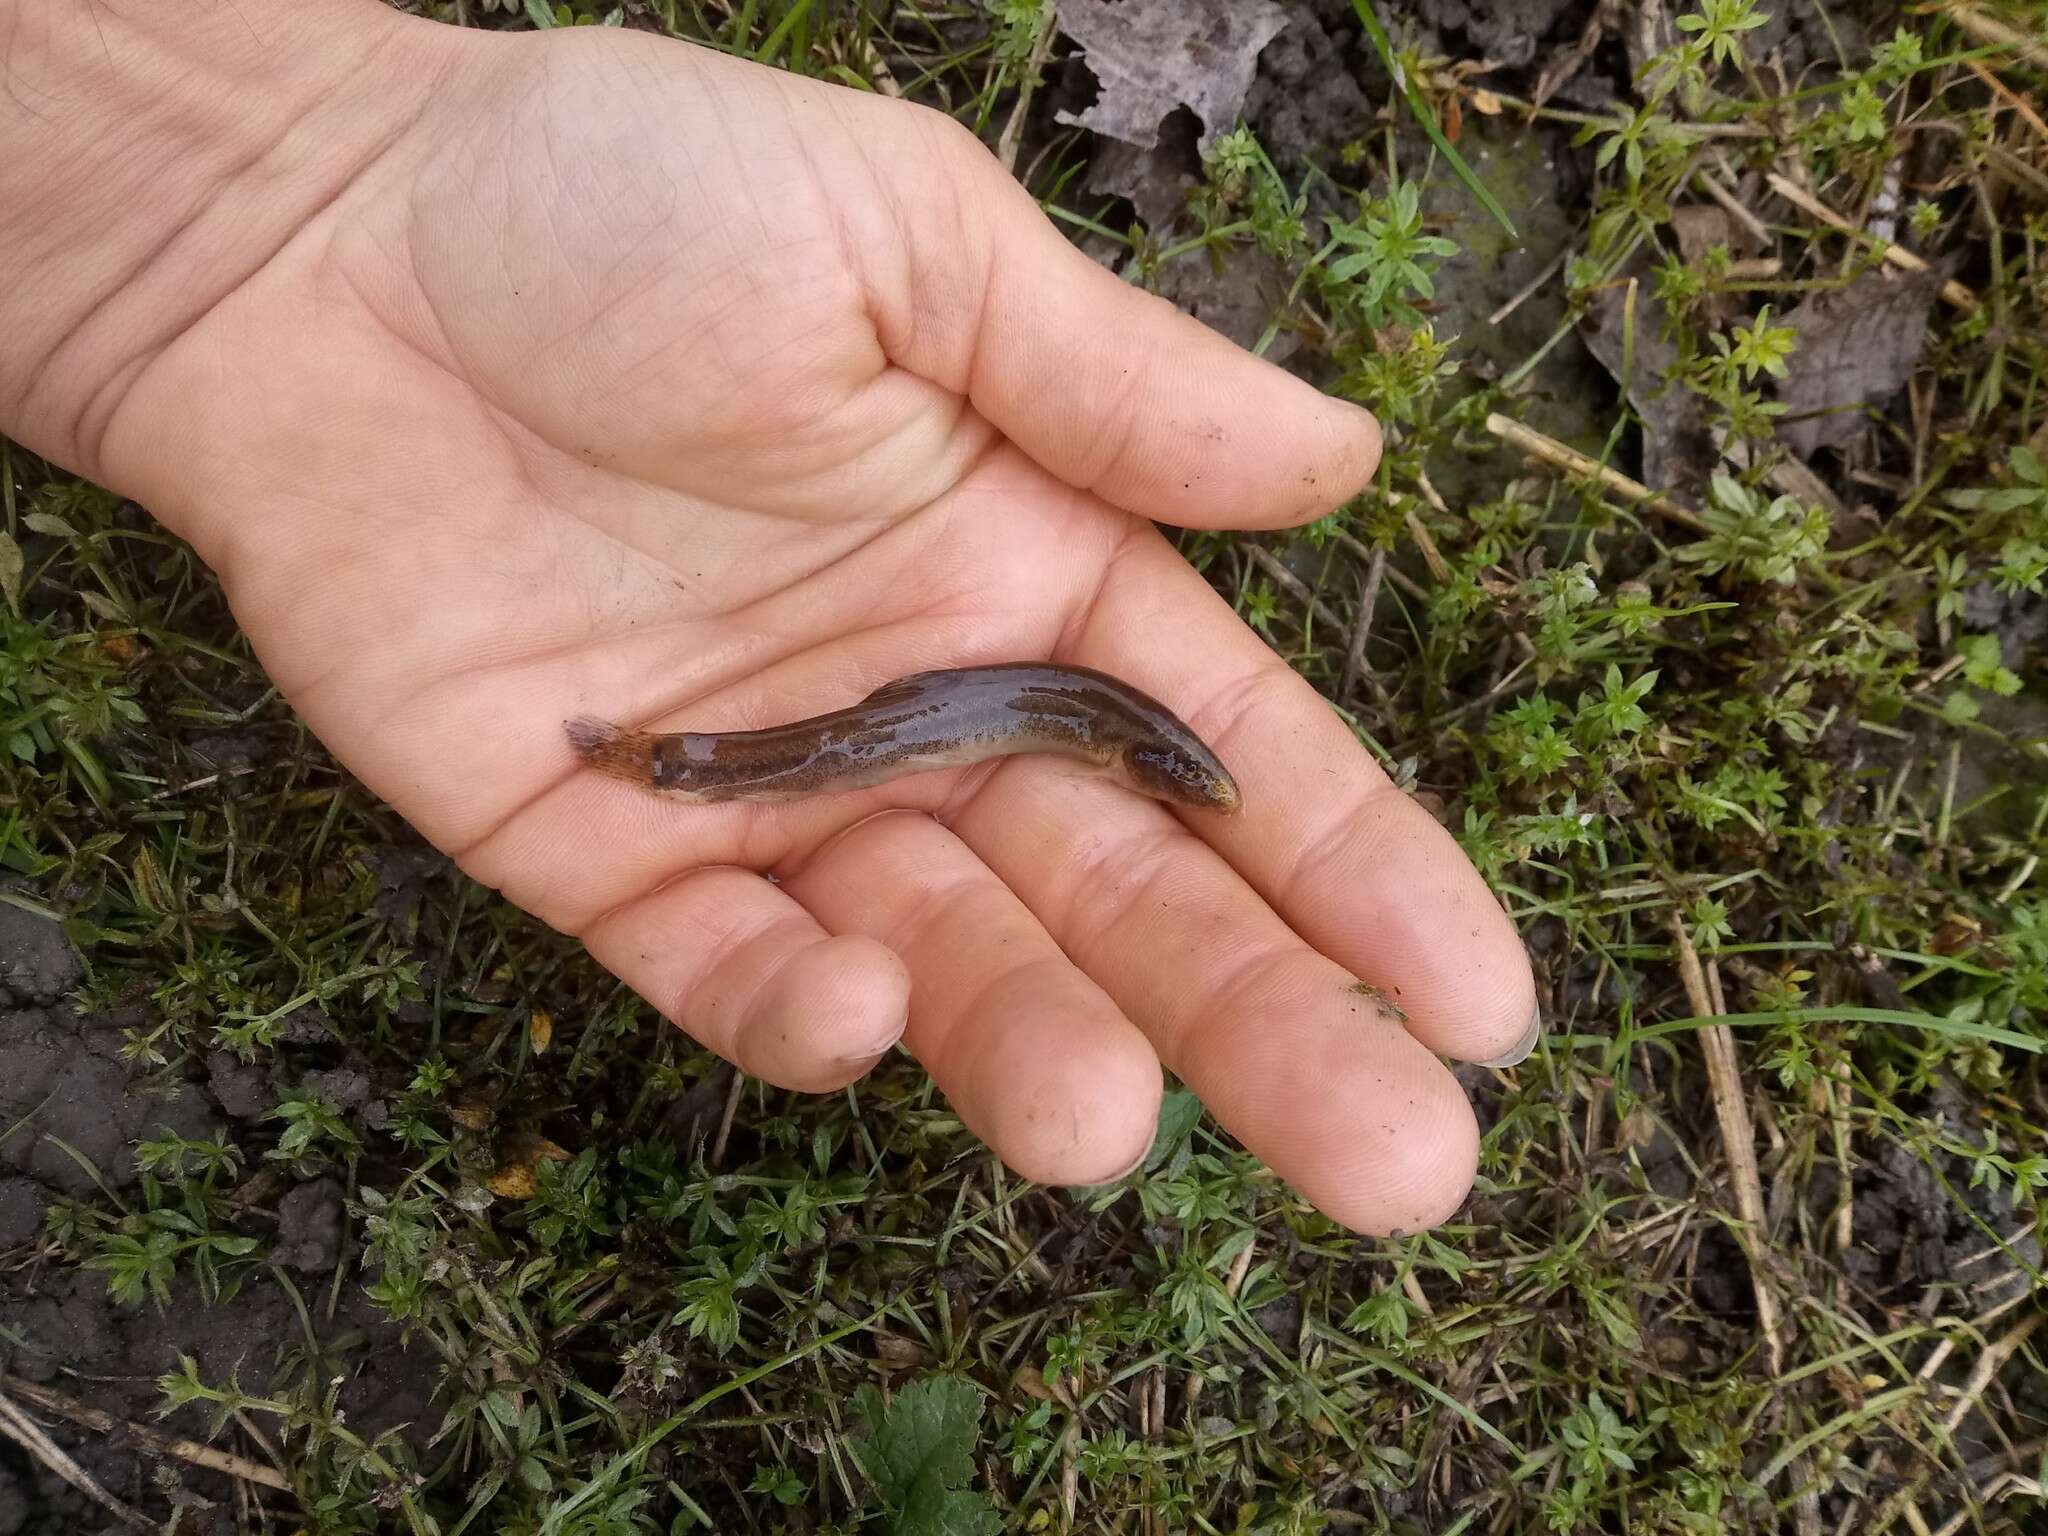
(1699, 227)
(10, 569)
(512, 1182)
(518, 1157)
(1031, 1382)
(471, 1110)
(1155, 181)
(1857, 348)
(896, 1353)
(1678, 448)
(1637, 1129)
(540, 1030)
(1151, 56)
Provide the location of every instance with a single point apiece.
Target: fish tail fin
(612, 749)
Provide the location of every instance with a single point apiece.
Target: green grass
(1792, 737)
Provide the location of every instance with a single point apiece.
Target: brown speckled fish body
(924, 722)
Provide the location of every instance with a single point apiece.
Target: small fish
(929, 720)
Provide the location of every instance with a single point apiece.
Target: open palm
(627, 379)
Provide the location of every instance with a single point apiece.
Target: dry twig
(1731, 1110)
(1989, 29)
(52, 1401)
(1556, 454)
(1954, 292)
(1361, 625)
(26, 1433)
(1013, 130)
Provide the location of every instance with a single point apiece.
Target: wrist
(158, 156)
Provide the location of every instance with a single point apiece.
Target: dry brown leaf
(897, 1353)
(518, 1157)
(1857, 348)
(1678, 449)
(1701, 226)
(1151, 56)
(471, 1117)
(540, 1030)
(512, 1182)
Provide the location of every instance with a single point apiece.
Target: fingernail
(1116, 1178)
(882, 1048)
(1523, 1046)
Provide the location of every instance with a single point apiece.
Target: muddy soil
(71, 1110)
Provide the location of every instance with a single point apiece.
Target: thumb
(1110, 388)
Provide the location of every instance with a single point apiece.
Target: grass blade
(1416, 105)
(1933, 1022)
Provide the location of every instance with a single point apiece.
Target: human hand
(526, 378)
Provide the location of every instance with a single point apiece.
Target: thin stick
(1988, 1365)
(1731, 1110)
(1951, 290)
(1556, 454)
(1412, 1288)
(1013, 130)
(2006, 94)
(1361, 626)
(1737, 209)
(1288, 582)
(1530, 289)
(732, 1108)
(1987, 29)
(1346, 541)
(52, 1401)
(25, 1432)
(1430, 556)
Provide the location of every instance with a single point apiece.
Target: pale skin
(509, 379)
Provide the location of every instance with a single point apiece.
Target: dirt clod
(242, 1089)
(21, 1211)
(1505, 31)
(309, 1227)
(73, 1106)
(37, 964)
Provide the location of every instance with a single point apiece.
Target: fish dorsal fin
(898, 690)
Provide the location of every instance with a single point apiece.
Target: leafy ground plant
(1727, 673)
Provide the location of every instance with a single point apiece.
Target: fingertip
(1422, 1171)
(1390, 1145)
(1340, 456)
(1499, 1022)
(835, 1008)
(1082, 1117)
(1522, 1048)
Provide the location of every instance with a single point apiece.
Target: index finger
(1354, 866)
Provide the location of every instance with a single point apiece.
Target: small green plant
(314, 1136)
(918, 1452)
(1387, 252)
(1762, 540)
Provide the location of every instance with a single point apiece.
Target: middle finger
(1292, 1053)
